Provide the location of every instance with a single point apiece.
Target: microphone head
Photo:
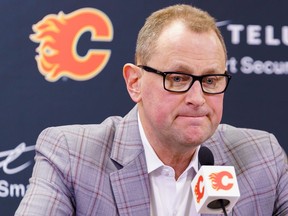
(205, 156)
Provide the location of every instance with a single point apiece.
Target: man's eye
(177, 78)
(209, 80)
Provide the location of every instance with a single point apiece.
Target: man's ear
(132, 75)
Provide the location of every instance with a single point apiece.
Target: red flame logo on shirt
(58, 36)
(217, 182)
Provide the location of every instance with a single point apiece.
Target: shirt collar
(153, 161)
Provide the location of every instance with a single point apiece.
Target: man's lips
(193, 118)
(193, 115)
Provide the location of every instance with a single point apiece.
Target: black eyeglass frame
(194, 78)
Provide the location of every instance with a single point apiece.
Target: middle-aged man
(143, 163)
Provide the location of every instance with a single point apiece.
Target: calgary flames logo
(58, 37)
(217, 180)
(199, 192)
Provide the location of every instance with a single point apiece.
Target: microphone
(205, 156)
(215, 188)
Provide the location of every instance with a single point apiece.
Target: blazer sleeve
(50, 190)
(281, 202)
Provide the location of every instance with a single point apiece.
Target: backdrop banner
(61, 63)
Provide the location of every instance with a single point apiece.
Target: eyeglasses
(182, 82)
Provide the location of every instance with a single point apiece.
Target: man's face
(181, 120)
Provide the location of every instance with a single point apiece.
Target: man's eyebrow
(180, 68)
(190, 70)
(213, 71)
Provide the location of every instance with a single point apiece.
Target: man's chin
(197, 137)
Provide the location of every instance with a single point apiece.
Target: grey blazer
(101, 170)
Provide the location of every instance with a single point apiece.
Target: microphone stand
(223, 206)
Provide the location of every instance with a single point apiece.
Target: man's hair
(193, 18)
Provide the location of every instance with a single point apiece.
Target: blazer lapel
(130, 184)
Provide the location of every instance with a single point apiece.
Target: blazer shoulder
(249, 145)
(75, 138)
(75, 130)
(234, 135)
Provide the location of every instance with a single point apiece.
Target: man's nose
(195, 95)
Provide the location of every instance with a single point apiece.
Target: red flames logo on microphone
(58, 36)
(217, 180)
(199, 192)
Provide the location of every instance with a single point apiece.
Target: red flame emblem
(58, 37)
(217, 182)
(199, 192)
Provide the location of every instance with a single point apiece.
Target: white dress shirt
(169, 197)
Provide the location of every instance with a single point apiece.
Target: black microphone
(215, 188)
(205, 156)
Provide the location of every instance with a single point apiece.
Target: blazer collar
(127, 144)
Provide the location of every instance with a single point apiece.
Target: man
(143, 164)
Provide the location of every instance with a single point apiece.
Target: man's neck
(178, 161)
